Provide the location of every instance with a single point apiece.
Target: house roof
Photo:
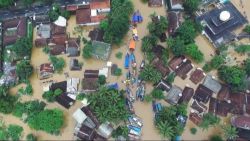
(220, 31)
(41, 42)
(14, 29)
(64, 100)
(195, 118)
(163, 85)
(71, 7)
(72, 52)
(203, 94)
(91, 115)
(57, 49)
(100, 4)
(46, 67)
(241, 122)
(74, 64)
(243, 134)
(158, 50)
(61, 21)
(85, 133)
(83, 15)
(96, 34)
(212, 84)
(174, 95)
(173, 21)
(43, 30)
(73, 42)
(89, 84)
(183, 70)
(101, 50)
(59, 39)
(159, 65)
(198, 106)
(59, 85)
(155, 3)
(41, 18)
(79, 116)
(238, 100)
(197, 76)
(175, 4)
(105, 130)
(223, 93)
(248, 104)
(187, 94)
(55, 30)
(91, 73)
(175, 62)
(221, 108)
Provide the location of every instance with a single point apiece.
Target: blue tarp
(137, 18)
(126, 63)
(113, 86)
(132, 57)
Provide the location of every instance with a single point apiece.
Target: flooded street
(143, 110)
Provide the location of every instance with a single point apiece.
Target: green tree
(87, 51)
(217, 61)
(247, 29)
(150, 74)
(157, 28)
(209, 120)
(58, 63)
(3, 90)
(187, 31)
(108, 105)
(120, 131)
(157, 94)
(14, 132)
(104, 25)
(230, 132)
(28, 90)
(215, 138)
(170, 78)
(233, 75)
(177, 46)
(165, 56)
(49, 120)
(148, 42)
(165, 129)
(31, 137)
(242, 49)
(191, 5)
(118, 72)
(24, 70)
(207, 67)
(22, 47)
(193, 51)
(247, 66)
(102, 79)
(6, 3)
(148, 98)
(7, 104)
(50, 96)
(27, 2)
(118, 55)
(193, 130)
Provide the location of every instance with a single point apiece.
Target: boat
(131, 45)
(137, 17)
(127, 60)
(132, 58)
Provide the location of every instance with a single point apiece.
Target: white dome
(224, 16)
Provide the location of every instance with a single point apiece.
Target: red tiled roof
(197, 76)
(175, 62)
(20, 24)
(57, 49)
(71, 7)
(155, 3)
(83, 15)
(203, 94)
(100, 4)
(187, 94)
(74, 42)
(195, 118)
(183, 70)
(59, 39)
(238, 100)
(47, 67)
(40, 42)
(58, 30)
(98, 18)
(158, 64)
(241, 122)
(223, 93)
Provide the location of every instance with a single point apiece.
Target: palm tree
(165, 129)
(230, 132)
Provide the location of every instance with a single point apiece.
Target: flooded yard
(143, 110)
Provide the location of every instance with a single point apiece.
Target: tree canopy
(49, 120)
(229, 132)
(209, 120)
(58, 63)
(247, 66)
(6, 3)
(22, 47)
(56, 11)
(157, 28)
(191, 5)
(50, 96)
(157, 94)
(87, 51)
(242, 49)
(117, 25)
(14, 132)
(149, 73)
(108, 105)
(24, 70)
(176, 45)
(193, 51)
(215, 138)
(233, 75)
(247, 29)
(148, 42)
(187, 31)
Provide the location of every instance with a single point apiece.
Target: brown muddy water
(143, 110)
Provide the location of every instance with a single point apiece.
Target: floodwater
(143, 110)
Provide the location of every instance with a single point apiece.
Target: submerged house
(164, 86)
(197, 76)
(184, 69)
(175, 5)
(174, 95)
(176, 62)
(224, 93)
(160, 66)
(75, 65)
(101, 50)
(155, 3)
(220, 23)
(93, 12)
(73, 47)
(242, 122)
(195, 118)
(46, 70)
(14, 29)
(64, 100)
(212, 84)
(96, 35)
(42, 35)
(203, 94)
(187, 94)
(84, 133)
(238, 100)
(174, 21)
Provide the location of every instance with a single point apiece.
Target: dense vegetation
(193, 51)
(31, 137)
(215, 63)
(166, 122)
(56, 11)
(22, 48)
(50, 96)
(215, 138)
(6, 3)
(10, 132)
(50, 121)
(191, 6)
(158, 27)
(7, 101)
(120, 131)
(58, 63)
(242, 49)
(247, 29)
(229, 132)
(24, 70)
(157, 94)
(149, 73)
(117, 24)
(108, 105)
(233, 76)
(247, 66)
(209, 120)
(87, 50)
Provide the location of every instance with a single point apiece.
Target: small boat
(137, 17)
(127, 60)
(132, 58)
(142, 65)
(131, 45)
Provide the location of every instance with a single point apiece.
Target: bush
(80, 96)
(193, 51)
(170, 78)
(207, 67)
(148, 98)
(215, 138)
(157, 94)
(87, 51)
(50, 96)
(193, 130)
(46, 50)
(209, 120)
(24, 70)
(102, 79)
(14, 131)
(150, 74)
(242, 49)
(118, 72)
(120, 131)
(31, 137)
(247, 29)
(118, 55)
(58, 63)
